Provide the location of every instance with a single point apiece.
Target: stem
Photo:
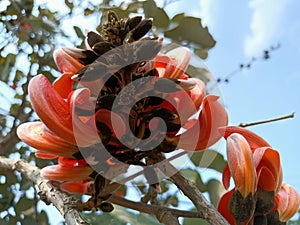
(268, 120)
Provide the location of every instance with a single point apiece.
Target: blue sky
(243, 29)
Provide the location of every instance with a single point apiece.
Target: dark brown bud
(147, 50)
(141, 29)
(93, 38)
(102, 47)
(112, 17)
(131, 23)
(167, 85)
(106, 207)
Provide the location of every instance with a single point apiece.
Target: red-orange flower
(287, 202)
(250, 154)
(241, 166)
(99, 112)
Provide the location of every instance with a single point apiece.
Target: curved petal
(241, 165)
(212, 116)
(38, 136)
(51, 107)
(113, 120)
(77, 187)
(66, 173)
(253, 139)
(287, 202)
(223, 207)
(64, 84)
(65, 62)
(84, 131)
(268, 168)
(226, 175)
(174, 63)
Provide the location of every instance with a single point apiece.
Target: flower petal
(287, 202)
(40, 137)
(268, 168)
(65, 62)
(212, 116)
(51, 107)
(66, 173)
(64, 84)
(253, 139)
(77, 187)
(223, 207)
(241, 165)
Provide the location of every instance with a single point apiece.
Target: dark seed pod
(102, 47)
(106, 207)
(105, 102)
(90, 57)
(112, 16)
(167, 85)
(146, 50)
(131, 23)
(93, 38)
(141, 29)
(163, 113)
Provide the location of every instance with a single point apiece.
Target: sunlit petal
(223, 207)
(253, 139)
(287, 202)
(241, 165)
(65, 62)
(212, 116)
(38, 136)
(65, 173)
(267, 163)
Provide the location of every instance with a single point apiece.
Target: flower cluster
(259, 196)
(118, 102)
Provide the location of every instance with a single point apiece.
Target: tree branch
(48, 192)
(291, 115)
(206, 209)
(65, 204)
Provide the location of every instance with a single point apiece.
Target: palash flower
(255, 168)
(287, 202)
(78, 125)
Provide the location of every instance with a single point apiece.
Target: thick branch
(206, 209)
(65, 204)
(49, 193)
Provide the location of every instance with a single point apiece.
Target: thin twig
(268, 120)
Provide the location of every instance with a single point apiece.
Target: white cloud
(208, 11)
(265, 25)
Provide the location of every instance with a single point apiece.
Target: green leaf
(201, 73)
(195, 177)
(209, 159)
(193, 221)
(42, 218)
(23, 204)
(120, 216)
(88, 11)
(215, 191)
(78, 32)
(202, 53)
(69, 4)
(159, 15)
(171, 200)
(191, 30)
(178, 17)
